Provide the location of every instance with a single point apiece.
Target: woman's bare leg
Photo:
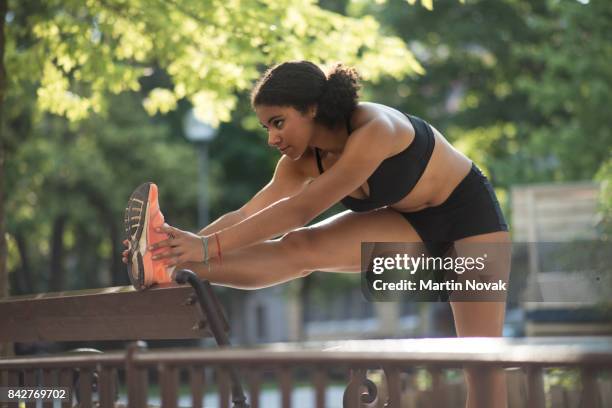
(332, 245)
(335, 245)
(486, 387)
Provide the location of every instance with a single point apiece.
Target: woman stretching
(399, 177)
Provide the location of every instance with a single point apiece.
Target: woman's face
(289, 130)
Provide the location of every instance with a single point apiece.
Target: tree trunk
(25, 273)
(86, 259)
(56, 281)
(6, 348)
(118, 273)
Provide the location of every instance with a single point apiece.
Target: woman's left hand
(180, 247)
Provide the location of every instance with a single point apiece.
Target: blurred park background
(94, 94)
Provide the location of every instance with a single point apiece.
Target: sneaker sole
(135, 221)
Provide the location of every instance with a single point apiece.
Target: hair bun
(340, 95)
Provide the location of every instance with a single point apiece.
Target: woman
(399, 177)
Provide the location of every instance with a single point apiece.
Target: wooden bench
(166, 311)
(117, 313)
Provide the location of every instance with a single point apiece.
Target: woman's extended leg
(332, 245)
(486, 387)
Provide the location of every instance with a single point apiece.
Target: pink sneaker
(142, 217)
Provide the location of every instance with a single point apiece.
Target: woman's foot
(142, 217)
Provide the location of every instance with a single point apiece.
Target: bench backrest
(118, 313)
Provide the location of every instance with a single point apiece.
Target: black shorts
(471, 209)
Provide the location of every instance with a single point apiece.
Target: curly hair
(301, 84)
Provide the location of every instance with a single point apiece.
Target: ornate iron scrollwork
(353, 397)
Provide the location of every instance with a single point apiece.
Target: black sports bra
(397, 175)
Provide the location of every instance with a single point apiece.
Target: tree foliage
(82, 77)
(571, 85)
(522, 87)
(97, 90)
(78, 52)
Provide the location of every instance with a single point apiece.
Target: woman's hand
(180, 247)
(126, 252)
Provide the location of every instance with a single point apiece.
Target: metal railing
(139, 371)
(370, 373)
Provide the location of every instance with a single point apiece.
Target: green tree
(521, 86)
(69, 186)
(4, 289)
(571, 85)
(79, 58)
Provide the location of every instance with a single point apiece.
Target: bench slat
(117, 313)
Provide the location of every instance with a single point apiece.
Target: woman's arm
(288, 179)
(224, 221)
(364, 151)
(358, 161)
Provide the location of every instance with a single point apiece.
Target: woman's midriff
(445, 170)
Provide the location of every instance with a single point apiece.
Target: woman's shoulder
(366, 112)
(305, 166)
(394, 130)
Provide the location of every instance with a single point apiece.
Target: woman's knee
(479, 319)
(299, 246)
